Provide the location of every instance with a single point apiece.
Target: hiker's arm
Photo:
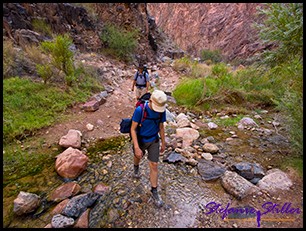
(137, 150)
(148, 82)
(147, 85)
(162, 137)
(134, 82)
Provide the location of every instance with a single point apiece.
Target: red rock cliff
(224, 26)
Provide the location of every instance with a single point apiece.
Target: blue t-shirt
(142, 79)
(149, 128)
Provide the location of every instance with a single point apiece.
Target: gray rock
(78, 204)
(236, 185)
(174, 157)
(209, 170)
(60, 221)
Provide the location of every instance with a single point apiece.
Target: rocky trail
(182, 188)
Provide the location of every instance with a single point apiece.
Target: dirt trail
(120, 104)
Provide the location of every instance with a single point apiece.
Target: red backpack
(141, 102)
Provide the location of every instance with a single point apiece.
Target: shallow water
(128, 204)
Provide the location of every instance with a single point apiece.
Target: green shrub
(211, 87)
(34, 53)
(42, 27)
(283, 26)
(61, 55)
(188, 91)
(213, 55)
(87, 79)
(199, 70)
(219, 69)
(119, 42)
(44, 71)
(182, 64)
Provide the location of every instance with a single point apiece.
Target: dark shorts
(152, 148)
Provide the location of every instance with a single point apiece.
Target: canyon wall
(224, 26)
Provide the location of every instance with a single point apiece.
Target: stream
(128, 204)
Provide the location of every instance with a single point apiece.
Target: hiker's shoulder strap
(144, 111)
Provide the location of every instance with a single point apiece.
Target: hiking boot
(156, 199)
(136, 173)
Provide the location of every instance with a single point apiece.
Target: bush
(284, 27)
(213, 55)
(119, 42)
(42, 27)
(182, 64)
(34, 53)
(61, 56)
(44, 71)
(188, 91)
(219, 70)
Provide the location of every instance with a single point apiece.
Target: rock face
(84, 29)
(224, 26)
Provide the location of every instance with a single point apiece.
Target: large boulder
(274, 181)
(26, 203)
(209, 170)
(236, 185)
(71, 163)
(188, 135)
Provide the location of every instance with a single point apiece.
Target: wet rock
(274, 181)
(209, 170)
(78, 204)
(72, 139)
(65, 191)
(59, 207)
(83, 220)
(174, 157)
(60, 221)
(26, 203)
(211, 148)
(236, 185)
(71, 163)
(249, 170)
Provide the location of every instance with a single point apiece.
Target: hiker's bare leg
(153, 173)
(136, 160)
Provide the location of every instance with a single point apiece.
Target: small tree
(61, 55)
(119, 42)
(44, 71)
(283, 26)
